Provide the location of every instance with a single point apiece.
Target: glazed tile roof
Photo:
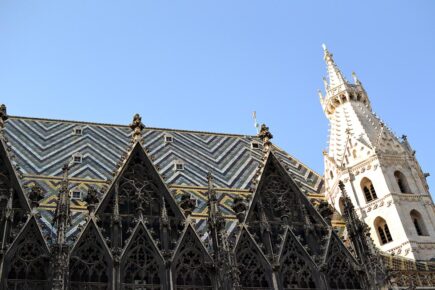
(40, 147)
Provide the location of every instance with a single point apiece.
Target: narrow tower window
(383, 231)
(368, 189)
(354, 154)
(401, 182)
(418, 222)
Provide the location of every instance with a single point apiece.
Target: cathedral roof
(41, 146)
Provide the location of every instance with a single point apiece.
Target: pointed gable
(26, 262)
(14, 206)
(340, 266)
(278, 203)
(90, 259)
(141, 261)
(255, 270)
(297, 269)
(191, 262)
(280, 197)
(139, 188)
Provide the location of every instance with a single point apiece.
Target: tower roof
(335, 76)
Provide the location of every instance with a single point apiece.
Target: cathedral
(101, 206)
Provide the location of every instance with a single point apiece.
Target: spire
(62, 220)
(338, 89)
(335, 76)
(362, 244)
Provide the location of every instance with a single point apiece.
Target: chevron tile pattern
(40, 148)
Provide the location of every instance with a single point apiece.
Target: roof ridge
(127, 126)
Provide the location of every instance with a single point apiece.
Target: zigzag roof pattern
(41, 146)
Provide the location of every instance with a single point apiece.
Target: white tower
(381, 174)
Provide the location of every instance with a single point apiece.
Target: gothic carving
(90, 262)
(142, 265)
(339, 267)
(27, 261)
(255, 272)
(191, 267)
(297, 270)
(140, 194)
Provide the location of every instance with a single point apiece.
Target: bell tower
(379, 170)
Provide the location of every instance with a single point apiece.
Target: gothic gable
(138, 190)
(26, 262)
(8, 180)
(339, 266)
(278, 203)
(141, 261)
(191, 266)
(90, 260)
(253, 267)
(297, 269)
(13, 203)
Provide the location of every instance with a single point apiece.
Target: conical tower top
(338, 89)
(335, 76)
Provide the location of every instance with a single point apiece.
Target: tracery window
(253, 275)
(383, 231)
(340, 271)
(418, 222)
(141, 268)
(368, 189)
(401, 182)
(295, 271)
(27, 262)
(190, 271)
(89, 264)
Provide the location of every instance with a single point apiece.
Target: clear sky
(206, 65)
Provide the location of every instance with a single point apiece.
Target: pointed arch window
(383, 231)
(190, 266)
(402, 182)
(354, 154)
(296, 270)
(141, 263)
(90, 263)
(26, 261)
(368, 189)
(418, 222)
(253, 273)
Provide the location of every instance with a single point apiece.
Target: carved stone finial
(137, 126)
(187, 203)
(92, 199)
(239, 207)
(164, 218)
(35, 195)
(265, 136)
(3, 115)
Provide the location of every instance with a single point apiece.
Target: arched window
(368, 189)
(383, 231)
(418, 222)
(401, 182)
(341, 205)
(331, 174)
(354, 153)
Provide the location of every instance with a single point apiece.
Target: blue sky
(206, 65)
